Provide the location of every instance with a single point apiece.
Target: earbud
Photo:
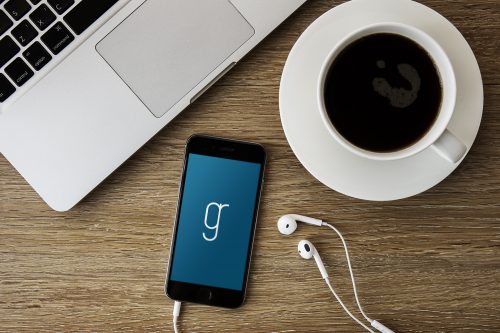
(287, 224)
(308, 251)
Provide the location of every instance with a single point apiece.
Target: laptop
(85, 83)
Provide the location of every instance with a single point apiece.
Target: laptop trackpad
(165, 48)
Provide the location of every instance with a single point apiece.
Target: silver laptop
(85, 83)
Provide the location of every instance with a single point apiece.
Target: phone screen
(215, 222)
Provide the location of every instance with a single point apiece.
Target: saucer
(331, 163)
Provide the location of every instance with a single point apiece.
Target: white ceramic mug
(438, 136)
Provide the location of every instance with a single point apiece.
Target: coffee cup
(408, 109)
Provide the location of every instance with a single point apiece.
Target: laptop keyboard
(33, 32)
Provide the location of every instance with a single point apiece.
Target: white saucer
(310, 140)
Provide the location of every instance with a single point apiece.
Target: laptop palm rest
(164, 49)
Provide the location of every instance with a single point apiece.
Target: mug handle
(450, 147)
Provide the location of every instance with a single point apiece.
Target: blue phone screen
(215, 222)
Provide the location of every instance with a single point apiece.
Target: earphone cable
(176, 330)
(175, 315)
(345, 308)
(350, 271)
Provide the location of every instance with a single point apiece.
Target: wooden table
(430, 263)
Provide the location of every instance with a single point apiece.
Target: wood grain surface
(430, 263)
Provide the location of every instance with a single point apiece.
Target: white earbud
(308, 251)
(287, 224)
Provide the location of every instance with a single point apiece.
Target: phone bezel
(230, 149)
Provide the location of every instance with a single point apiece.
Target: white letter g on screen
(216, 226)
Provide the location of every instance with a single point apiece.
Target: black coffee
(383, 92)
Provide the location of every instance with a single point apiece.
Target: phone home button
(205, 294)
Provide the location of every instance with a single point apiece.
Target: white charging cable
(381, 328)
(175, 315)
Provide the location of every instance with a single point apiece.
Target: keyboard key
(5, 22)
(87, 12)
(42, 17)
(19, 71)
(24, 33)
(17, 8)
(8, 49)
(60, 6)
(37, 56)
(6, 88)
(57, 38)
(35, 2)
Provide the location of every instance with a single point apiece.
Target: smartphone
(215, 221)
